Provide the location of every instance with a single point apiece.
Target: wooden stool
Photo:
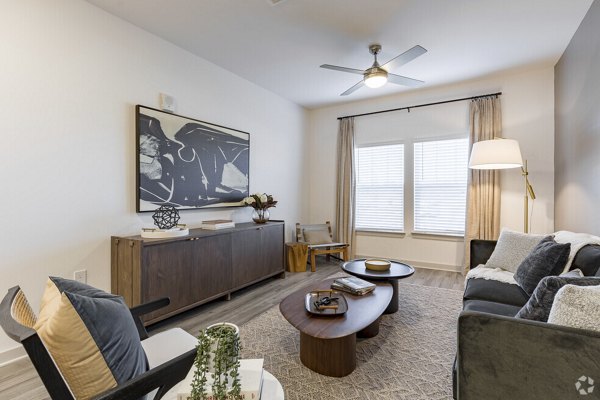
(297, 256)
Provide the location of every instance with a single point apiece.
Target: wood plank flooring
(19, 380)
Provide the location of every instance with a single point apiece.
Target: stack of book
(217, 224)
(353, 285)
(251, 380)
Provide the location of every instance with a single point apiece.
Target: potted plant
(260, 202)
(218, 358)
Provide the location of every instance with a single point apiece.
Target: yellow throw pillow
(49, 304)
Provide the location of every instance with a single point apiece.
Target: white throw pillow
(577, 307)
(511, 249)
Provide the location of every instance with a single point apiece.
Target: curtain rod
(422, 105)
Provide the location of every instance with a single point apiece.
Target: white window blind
(440, 183)
(380, 188)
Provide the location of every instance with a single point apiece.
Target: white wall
(71, 75)
(528, 116)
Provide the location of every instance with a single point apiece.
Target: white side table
(271, 389)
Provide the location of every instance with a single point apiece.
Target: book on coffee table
(353, 285)
(251, 380)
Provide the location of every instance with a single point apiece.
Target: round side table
(272, 389)
(398, 270)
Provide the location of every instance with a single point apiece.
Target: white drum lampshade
(496, 154)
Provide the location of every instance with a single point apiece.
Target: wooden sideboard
(197, 268)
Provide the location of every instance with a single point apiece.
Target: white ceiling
(280, 47)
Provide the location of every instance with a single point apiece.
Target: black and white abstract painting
(189, 164)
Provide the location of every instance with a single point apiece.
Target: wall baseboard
(426, 265)
(11, 355)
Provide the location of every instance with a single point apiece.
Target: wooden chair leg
(345, 254)
(313, 262)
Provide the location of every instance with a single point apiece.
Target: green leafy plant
(218, 346)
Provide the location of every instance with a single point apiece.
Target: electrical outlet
(80, 276)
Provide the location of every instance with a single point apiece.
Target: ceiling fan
(377, 75)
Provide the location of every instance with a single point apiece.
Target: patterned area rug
(411, 358)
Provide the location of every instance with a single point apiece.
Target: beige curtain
(483, 193)
(345, 216)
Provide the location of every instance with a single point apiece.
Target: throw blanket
(577, 240)
(493, 274)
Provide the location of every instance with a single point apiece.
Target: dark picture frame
(187, 163)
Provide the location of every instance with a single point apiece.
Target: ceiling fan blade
(403, 80)
(405, 57)
(343, 69)
(353, 88)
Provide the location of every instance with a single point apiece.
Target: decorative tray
(154, 233)
(325, 302)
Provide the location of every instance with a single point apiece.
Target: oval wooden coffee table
(328, 343)
(397, 271)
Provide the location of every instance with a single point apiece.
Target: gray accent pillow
(511, 249)
(540, 303)
(547, 258)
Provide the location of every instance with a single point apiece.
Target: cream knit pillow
(577, 307)
(511, 249)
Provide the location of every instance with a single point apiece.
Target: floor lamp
(503, 154)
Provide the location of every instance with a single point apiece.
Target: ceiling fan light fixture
(376, 77)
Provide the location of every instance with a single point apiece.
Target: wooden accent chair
(170, 354)
(319, 238)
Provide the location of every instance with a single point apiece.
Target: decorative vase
(261, 216)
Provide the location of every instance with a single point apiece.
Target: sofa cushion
(499, 292)
(578, 241)
(577, 307)
(547, 258)
(588, 260)
(539, 305)
(511, 249)
(491, 307)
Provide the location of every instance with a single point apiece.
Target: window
(440, 185)
(380, 188)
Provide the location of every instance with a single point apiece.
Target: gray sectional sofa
(503, 357)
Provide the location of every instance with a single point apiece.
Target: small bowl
(377, 264)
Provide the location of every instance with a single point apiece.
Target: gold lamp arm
(529, 193)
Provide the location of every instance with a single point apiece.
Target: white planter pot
(213, 346)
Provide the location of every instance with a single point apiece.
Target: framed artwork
(187, 163)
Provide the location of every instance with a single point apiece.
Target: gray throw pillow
(540, 303)
(511, 249)
(547, 258)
